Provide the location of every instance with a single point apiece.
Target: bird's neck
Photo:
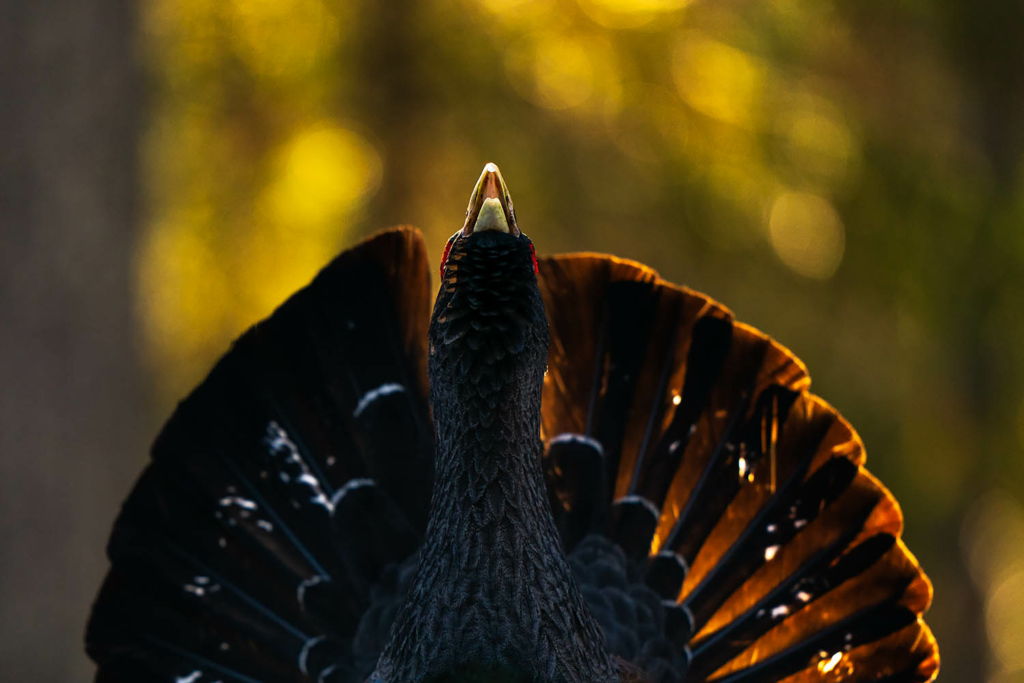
(489, 486)
(493, 583)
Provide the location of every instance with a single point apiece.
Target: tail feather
(577, 485)
(273, 533)
(711, 338)
(739, 496)
(802, 587)
(630, 307)
(867, 626)
(280, 489)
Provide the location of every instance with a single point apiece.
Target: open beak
(490, 205)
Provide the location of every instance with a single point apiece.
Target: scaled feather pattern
(684, 509)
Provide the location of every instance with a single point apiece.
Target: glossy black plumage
(280, 488)
(493, 588)
(716, 517)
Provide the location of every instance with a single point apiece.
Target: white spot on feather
(374, 394)
(300, 592)
(676, 557)
(648, 505)
(350, 485)
(304, 653)
(569, 437)
(280, 445)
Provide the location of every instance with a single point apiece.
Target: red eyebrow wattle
(444, 256)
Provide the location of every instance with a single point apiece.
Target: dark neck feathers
(493, 588)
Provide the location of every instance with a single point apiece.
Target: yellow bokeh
(281, 37)
(1005, 621)
(719, 80)
(807, 234)
(818, 142)
(204, 278)
(992, 542)
(735, 147)
(697, 137)
(557, 71)
(320, 174)
(992, 539)
(183, 293)
(268, 269)
(623, 14)
(520, 12)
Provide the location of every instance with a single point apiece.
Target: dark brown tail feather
(742, 495)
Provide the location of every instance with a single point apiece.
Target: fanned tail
(735, 495)
(718, 513)
(280, 489)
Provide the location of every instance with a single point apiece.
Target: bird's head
(489, 326)
(465, 618)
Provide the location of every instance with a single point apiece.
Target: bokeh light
(827, 170)
(846, 176)
(201, 288)
(320, 176)
(1005, 621)
(992, 540)
(553, 71)
(254, 179)
(807, 234)
(563, 70)
(279, 38)
(719, 80)
(623, 14)
(818, 143)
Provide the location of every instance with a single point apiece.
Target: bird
(568, 470)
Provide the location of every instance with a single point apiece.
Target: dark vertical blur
(70, 402)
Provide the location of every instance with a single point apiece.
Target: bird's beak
(490, 205)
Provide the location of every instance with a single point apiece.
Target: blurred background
(848, 176)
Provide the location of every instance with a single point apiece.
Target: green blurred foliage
(847, 176)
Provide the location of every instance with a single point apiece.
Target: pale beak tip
(490, 207)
